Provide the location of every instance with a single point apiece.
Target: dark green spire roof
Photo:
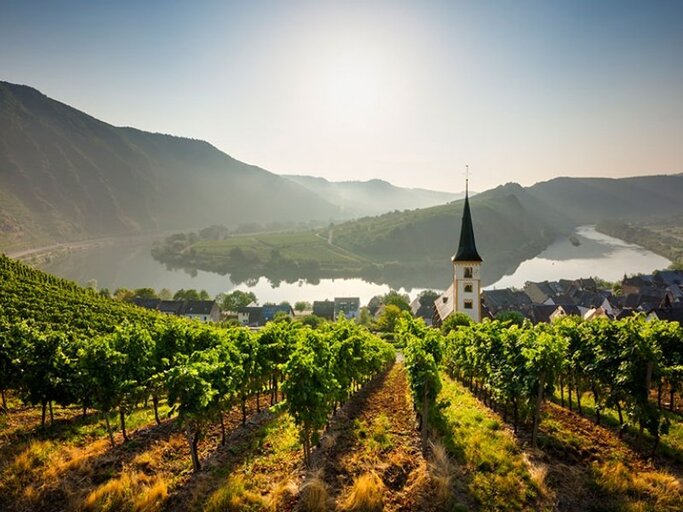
(467, 250)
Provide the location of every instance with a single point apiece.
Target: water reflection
(596, 255)
(130, 265)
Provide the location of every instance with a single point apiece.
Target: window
(468, 288)
(468, 272)
(468, 304)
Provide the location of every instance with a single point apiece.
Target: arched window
(468, 272)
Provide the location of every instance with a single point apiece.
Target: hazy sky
(405, 91)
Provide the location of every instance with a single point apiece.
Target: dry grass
(539, 474)
(281, 493)
(366, 494)
(440, 472)
(74, 458)
(134, 492)
(313, 495)
(663, 490)
(419, 484)
(32, 457)
(234, 497)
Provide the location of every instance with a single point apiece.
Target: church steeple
(467, 250)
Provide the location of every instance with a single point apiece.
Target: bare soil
(349, 448)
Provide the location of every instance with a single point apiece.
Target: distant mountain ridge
(372, 197)
(66, 175)
(511, 222)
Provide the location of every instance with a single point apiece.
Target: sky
(406, 91)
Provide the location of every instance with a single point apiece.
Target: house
(171, 307)
(269, 311)
(324, 309)
(566, 310)
(258, 316)
(347, 306)
(589, 299)
(670, 313)
(250, 316)
(594, 313)
(540, 292)
(542, 313)
(496, 301)
(202, 310)
(637, 284)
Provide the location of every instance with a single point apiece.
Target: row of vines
(625, 365)
(66, 345)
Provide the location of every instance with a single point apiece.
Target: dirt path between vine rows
(375, 433)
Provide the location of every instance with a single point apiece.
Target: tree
(510, 317)
(544, 353)
(309, 384)
(400, 300)
(135, 342)
(45, 368)
(427, 297)
(387, 320)
(183, 294)
(313, 321)
(236, 300)
(145, 293)
(423, 353)
(193, 397)
(302, 306)
(123, 294)
(455, 321)
(9, 352)
(104, 367)
(365, 317)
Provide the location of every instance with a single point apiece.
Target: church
(464, 293)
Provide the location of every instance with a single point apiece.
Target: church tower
(466, 268)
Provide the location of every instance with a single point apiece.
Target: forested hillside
(591, 200)
(67, 175)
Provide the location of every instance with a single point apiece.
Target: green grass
(300, 246)
(265, 474)
(497, 476)
(376, 435)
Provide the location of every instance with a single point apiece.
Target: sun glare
(351, 87)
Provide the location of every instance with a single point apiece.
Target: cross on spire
(467, 177)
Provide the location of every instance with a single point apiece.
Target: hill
(65, 175)
(372, 197)
(592, 200)
(413, 248)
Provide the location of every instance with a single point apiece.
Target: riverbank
(663, 237)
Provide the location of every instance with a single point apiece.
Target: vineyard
(615, 372)
(106, 406)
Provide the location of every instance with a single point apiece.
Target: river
(130, 265)
(596, 254)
